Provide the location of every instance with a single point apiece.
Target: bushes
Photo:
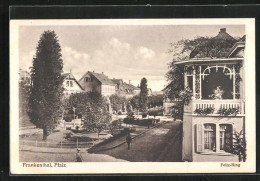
(205, 111)
(155, 113)
(123, 133)
(140, 122)
(229, 111)
(115, 126)
(68, 135)
(144, 115)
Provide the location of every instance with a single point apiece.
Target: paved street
(159, 144)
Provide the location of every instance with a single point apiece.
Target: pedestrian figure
(128, 141)
(78, 156)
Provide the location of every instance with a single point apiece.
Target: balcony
(215, 106)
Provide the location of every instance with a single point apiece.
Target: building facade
(216, 110)
(125, 89)
(96, 82)
(70, 84)
(24, 76)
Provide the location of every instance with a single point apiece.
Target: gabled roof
(71, 77)
(223, 35)
(117, 81)
(68, 76)
(102, 78)
(237, 50)
(130, 86)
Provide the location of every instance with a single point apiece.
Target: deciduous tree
(117, 102)
(94, 110)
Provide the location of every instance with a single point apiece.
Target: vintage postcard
(112, 96)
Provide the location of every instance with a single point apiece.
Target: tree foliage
(117, 102)
(239, 146)
(175, 78)
(201, 47)
(47, 90)
(155, 101)
(143, 95)
(24, 92)
(94, 110)
(134, 101)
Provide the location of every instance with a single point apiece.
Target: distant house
(119, 86)
(97, 82)
(124, 89)
(24, 76)
(70, 84)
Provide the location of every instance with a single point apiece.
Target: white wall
(69, 89)
(108, 90)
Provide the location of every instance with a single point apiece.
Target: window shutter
(199, 138)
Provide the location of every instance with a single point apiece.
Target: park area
(158, 142)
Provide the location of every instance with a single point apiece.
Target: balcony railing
(216, 105)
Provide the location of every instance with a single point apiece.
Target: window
(207, 139)
(71, 84)
(225, 136)
(67, 83)
(217, 83)
(222, 137)
(190, 82)
(86, 79)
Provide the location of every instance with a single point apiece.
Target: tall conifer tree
(143, 95)
(46, 89)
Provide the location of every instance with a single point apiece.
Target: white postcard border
(16, 167)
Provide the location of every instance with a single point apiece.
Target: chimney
(94, 71)
(129, 81)
(222, 30)
(102, 72)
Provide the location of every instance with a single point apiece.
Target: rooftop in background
(224, 35)
(216, 47)
(70, 77)
(130, 86)
(101, 77)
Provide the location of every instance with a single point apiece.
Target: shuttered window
(205, 137)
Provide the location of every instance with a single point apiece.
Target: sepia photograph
(132, 96)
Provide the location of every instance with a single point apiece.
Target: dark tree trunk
(239, 157)
(45, 134)
(244, 156)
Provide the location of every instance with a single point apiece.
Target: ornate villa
(216, 110)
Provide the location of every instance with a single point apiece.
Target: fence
(62, 144)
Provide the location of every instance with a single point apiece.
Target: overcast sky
(125, 52)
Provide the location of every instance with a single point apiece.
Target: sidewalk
(44, 154)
